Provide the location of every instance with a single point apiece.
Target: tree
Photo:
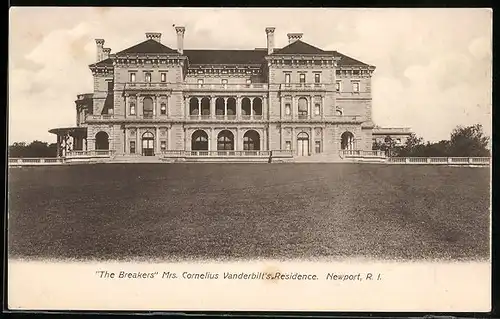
(469, 141)
(34, 149)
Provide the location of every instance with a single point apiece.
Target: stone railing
(484, 161)
(90, 153)
(226, 87)
(302, 87)
(361, 153)
(147, 86)
(35, 161)
(183, 153)
(224, 117)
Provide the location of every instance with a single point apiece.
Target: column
(309, 107)
(251, 108)
(184, 136)
(225, 108)
(212, 106)
(58, 145)
(199, 108)
(185, 108)
(293, 141)
(138, 105)
(213, 138)
(169, 136)
(237, 140)
(155, 105)
(126, 105)
(157, 139)
(262, 140)
(238, 107)
(138, 146)
(265, 108)
(322, 109)
(294, 112)
(125, 141)
(282, 107)
(282, 146)
(312, 145)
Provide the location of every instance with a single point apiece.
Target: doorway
(148, 144)
(303, 144)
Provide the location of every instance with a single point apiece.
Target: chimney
(180, 39)
(154, 36)
(270, 39)
(292, 37)
(105, 53)
(100, 44)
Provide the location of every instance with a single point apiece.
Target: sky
(433, 66)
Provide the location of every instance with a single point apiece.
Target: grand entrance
(148, 144)
(102, 141)
(303, 144)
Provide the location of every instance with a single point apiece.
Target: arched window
(246, 106)
(194, 106)
(251, 141)
(347, 141)
(132, 108)
(257, 106)
(163, 109)
(102, 141)
(147, 103)
(303, 109)
(225, 141)
(199, 141)
(205, 106)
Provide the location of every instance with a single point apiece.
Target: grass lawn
(241, 211)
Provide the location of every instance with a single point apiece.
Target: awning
(71, 131)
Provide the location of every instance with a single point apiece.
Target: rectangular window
(338, 86)
(288, 109)
(317, 146)
(132, 108)
(164, 77)
(355, 86)
(287, 78)
(132, 147)
(288, 145)
(110, 86)
(132, 77)
(163, 109)
(200, 83)
(163, 145)
(317, 78)
(317, 109)
(147, 77)
(302, 78)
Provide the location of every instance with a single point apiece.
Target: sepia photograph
(249, 159)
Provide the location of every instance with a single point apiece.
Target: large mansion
(153, 100)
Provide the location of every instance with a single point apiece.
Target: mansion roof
(208, 56)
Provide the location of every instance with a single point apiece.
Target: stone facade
(151, 99)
